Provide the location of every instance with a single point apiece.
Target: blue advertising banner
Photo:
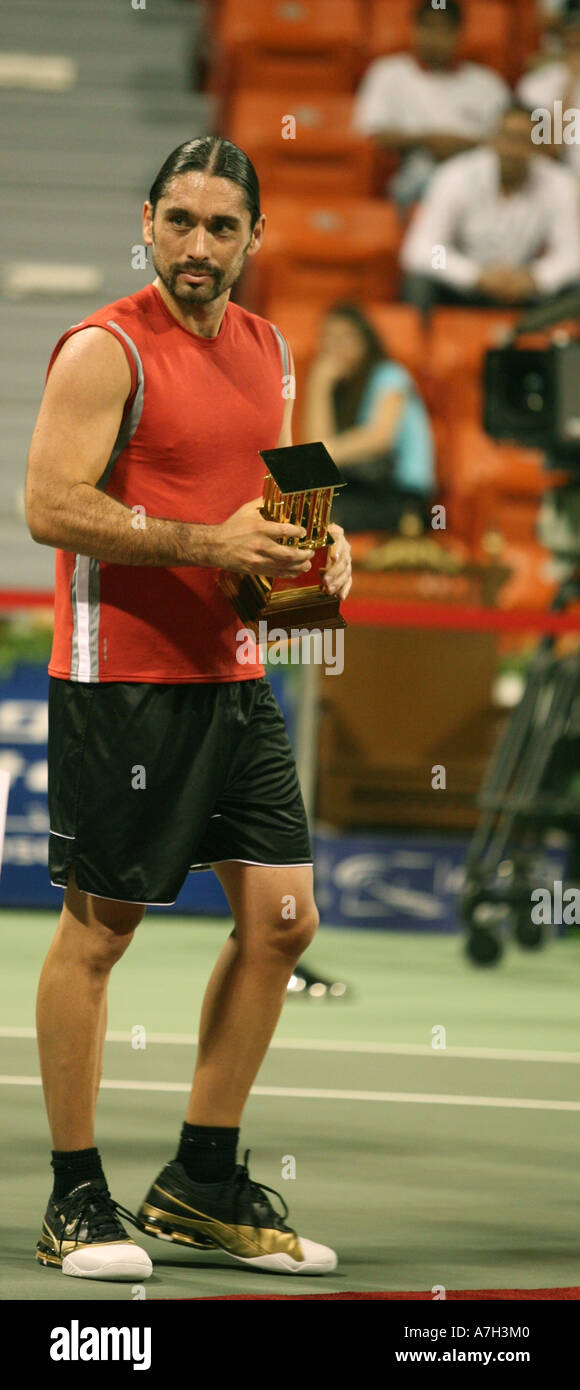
(404, 882)
(24, 881)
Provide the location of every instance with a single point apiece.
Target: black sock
(73, 1166)
(208, 1154)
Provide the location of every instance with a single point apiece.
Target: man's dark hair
(218, 157)
(453, 12)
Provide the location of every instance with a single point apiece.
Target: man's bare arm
(77, 426)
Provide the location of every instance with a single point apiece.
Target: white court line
(309, 1093)
(498, 1054)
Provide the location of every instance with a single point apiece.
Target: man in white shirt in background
(559, 81)
(499, 225)
(425, 105)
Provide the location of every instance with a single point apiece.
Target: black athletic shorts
(146, 782)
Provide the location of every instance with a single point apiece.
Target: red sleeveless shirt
(199, 411)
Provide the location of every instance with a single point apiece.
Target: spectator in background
(558, 81)
(425, 105)
(367, 412)
(499, 225)
(551, 10)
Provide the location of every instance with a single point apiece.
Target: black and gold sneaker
(235, 1216)
(83, 1236)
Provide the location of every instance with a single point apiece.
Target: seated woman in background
(367, 412)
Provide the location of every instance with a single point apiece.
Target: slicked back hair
(216, 156)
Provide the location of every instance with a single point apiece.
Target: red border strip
(388, 613)
(455, 1295)
(462, 617)
(25, 598)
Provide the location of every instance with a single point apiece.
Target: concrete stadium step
(128, 153)
(112, 45)
(30, 330)
(67, 121)
(76, 165)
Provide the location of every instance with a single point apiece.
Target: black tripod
(527, 790)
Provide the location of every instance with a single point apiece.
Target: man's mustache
(196, 270)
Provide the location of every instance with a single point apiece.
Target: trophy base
(256, 600)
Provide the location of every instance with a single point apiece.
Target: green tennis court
(422, 1165)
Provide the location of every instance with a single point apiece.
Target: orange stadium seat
(400, 327)
(493, 486)
(324, 248)
(458, 341)
(452, 383)
(302, 143)
(487, 36)
(306, 45)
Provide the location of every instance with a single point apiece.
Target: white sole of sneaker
(112, 1262)
(318, 1259)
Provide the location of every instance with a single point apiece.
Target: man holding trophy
(163, 415)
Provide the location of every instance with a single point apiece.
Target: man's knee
(106, 944)
(291, 937)
(102, 928)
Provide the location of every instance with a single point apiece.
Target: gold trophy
(299, 487)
